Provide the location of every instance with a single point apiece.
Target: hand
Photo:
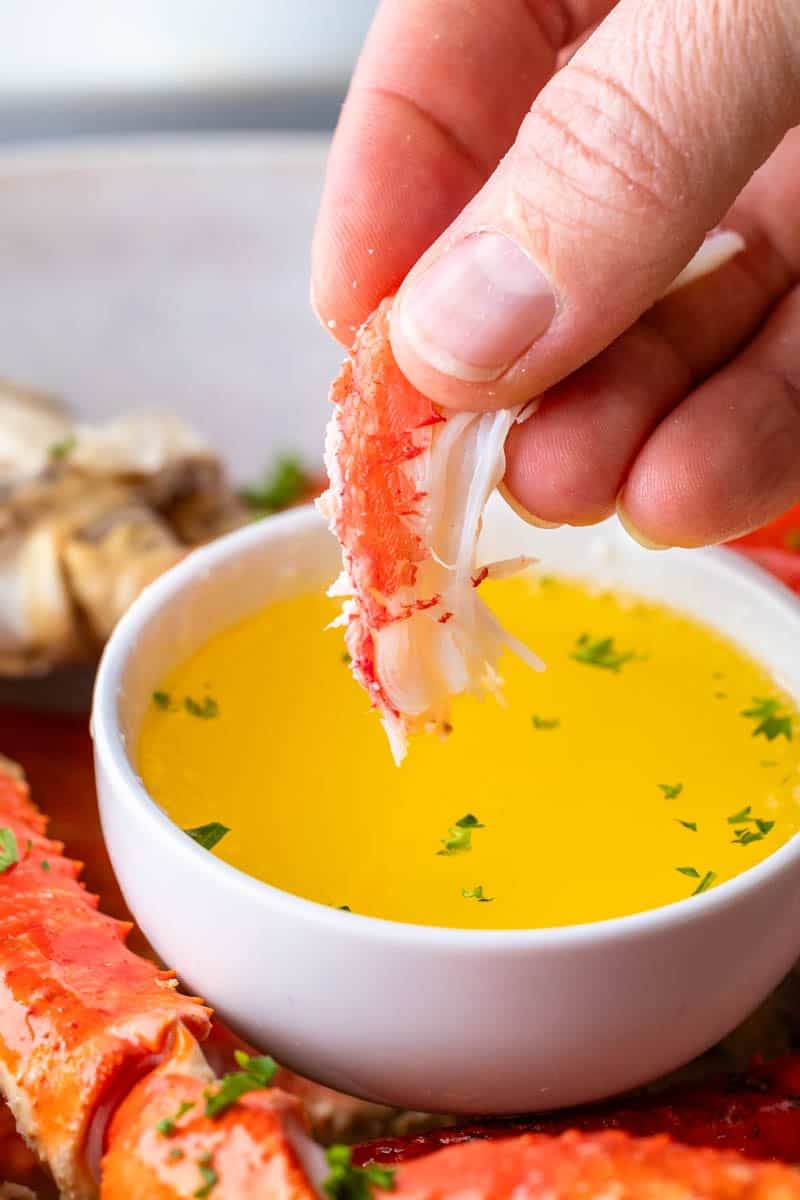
(542, 212)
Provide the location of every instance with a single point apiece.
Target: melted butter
(582, 815)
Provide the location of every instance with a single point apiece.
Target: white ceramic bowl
(427, 1018)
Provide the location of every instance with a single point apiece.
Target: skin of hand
(532, 201)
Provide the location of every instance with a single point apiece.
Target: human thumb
(628, 157)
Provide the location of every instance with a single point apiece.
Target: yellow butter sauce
(595, 783)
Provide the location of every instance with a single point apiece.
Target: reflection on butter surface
(652, 760)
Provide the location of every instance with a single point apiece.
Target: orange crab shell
(253, 1151)
(81, 1014)
(577, 1166)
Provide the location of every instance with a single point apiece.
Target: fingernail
(631, 530)
(523, 513)
(477, 308)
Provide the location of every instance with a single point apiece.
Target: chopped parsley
(166, 1126)
(671, 790)
(176, 1154)
(745, 836)
(206, 711)
(9, 851)
(600, 652)
(284, 483)
(773, 722)
(705, 883)
(346, 659)
(255, 1073)
(207, 836)
(44, 864)
(162, 700)
(742, 815)
(347, 1182)
(476, 893)
(544, 722)
(470, 821)
(692, 872)
(63, 448)
(460, 839)
(687, 824)
(345, 908)
(205, 1166)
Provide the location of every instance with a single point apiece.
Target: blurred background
(105, 67)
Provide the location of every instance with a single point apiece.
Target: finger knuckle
(604, 146)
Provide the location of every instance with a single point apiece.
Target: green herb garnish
(282, 484)
(346, 1182)
(772, 721)
(671, 790)
(742, 815)
(63, 448)
(692, 872)
(687, 824)
(764, 827)
(166, 1126)
(205, 1166)
(255, 1073)
(460, 839)
(162, 700)
(705, 883)
(346, 659)
(745, 837)
(206, 711)
(9, 851)
(44, 864)
(207, 836)
(600, 652)
(544, 722)
(345, 908)
(476, 893)
(176, 1154)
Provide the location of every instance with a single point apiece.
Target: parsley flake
(205, 1166)
(9, 851)
(255, 1073)
(671, 790)
(44, 864)
(544, 722)
(345, 908)
(764, 826)
(162, 700)
(600, 652)
(705, 883)
(476, 893)
(176, 1154)
(166, 1126)
(460, 839)
(746, 837)
(772, 721)
(742, 815)
(207, 836)
(347, 1182)
(692, 872)
(63, 448)
(281, 486)
(687, 824)
(346, 659)
(206, 710)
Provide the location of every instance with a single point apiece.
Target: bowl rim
(115, 762)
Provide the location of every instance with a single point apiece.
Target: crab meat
(408, 486)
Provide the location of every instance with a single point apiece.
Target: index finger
(436, 100)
